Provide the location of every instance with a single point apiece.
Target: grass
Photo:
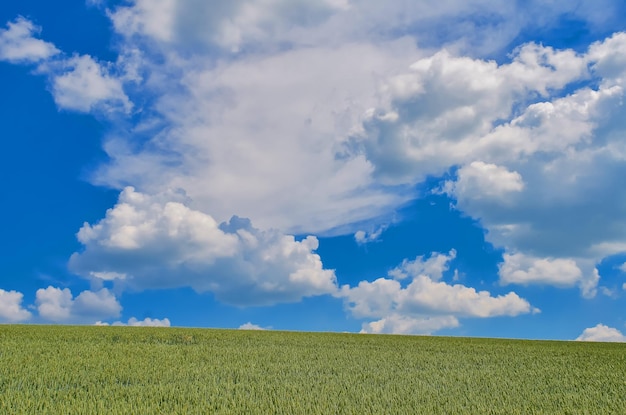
(141, 370)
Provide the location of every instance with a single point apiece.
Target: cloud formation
(314, 117)
(250, 326)
(524, 270)
(18, 43)
(60, 306)
(134, 322)
(155, 242)
(601, 333)
(81, 84)
(537, 156)
(483, 180)
(11, 310)
(425, 304)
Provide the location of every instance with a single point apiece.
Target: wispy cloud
(18, 43)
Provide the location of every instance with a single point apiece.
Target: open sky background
(449, 167)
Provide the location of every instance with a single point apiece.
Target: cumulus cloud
(310, 71)
(154, 242)
(523, 269)
(483, 180)
(11, 310)
(18, 43)
(601, 333)
(535, 158)
(59, 305)
(250, 326)
(311, 116)
(134, 322)
(443, 111)
(425, 304)
(82, 84)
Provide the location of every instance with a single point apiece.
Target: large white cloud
(311, 116)
(234, 25)
(158, 242)
(60, 306)
(11, 310)
(305, 73)
(481, 26)
(602, 333)
(241, 132)
(443, 112)
(243, 137)
(539, 158)
(18, 43)
(425, 304)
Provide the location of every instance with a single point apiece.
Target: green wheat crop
(140, 370)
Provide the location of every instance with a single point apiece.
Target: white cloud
(149, 242)
(250, 326)
(134, 322)
(78, 83)
(11, 310)
(522, 269)
(483, 180)
(433, 267)
(608, 57)
(84, 85)
(302, 102)
(18, 44)
(250, 25)
(425, 304)
(285, 115)
(401, 324)
(233, 26)
(59, 305)
(311, 116)
(539, 160)
(443, 112)
(601, 333)
(622, 267)
(364, 237)
(152, 18)
(525, 269)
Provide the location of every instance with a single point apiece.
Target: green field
(140, 370)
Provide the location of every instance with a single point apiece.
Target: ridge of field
(144, 370)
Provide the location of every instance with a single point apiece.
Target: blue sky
(449, 167)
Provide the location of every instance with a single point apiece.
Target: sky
(436, 167)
